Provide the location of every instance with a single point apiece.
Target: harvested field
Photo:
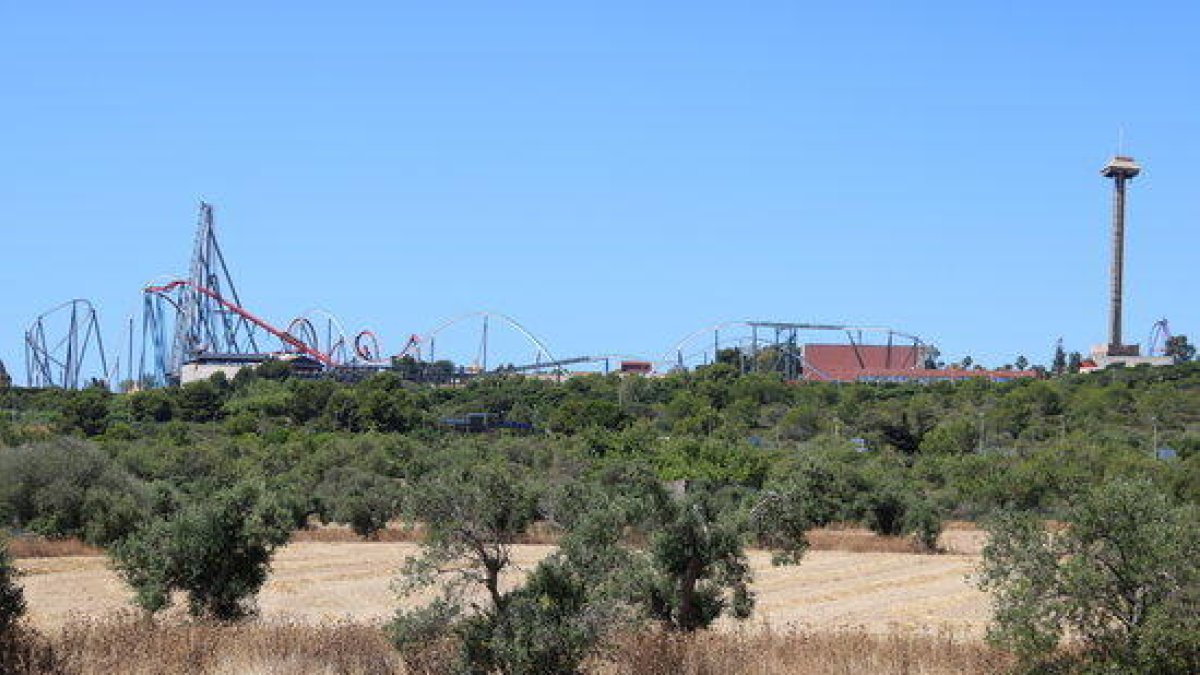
(330, 581)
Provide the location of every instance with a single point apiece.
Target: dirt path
(312, 581)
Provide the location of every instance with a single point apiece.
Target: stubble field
(311, 581)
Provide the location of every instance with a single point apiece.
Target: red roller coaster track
(284, 337)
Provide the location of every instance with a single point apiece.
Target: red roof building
(884, 363)
(847, 363)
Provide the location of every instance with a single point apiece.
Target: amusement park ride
(201, 318)
(194, 326)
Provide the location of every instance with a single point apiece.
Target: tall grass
(137, 646)
(131, 644)
(794, 652)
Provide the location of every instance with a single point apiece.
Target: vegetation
(654, 487)
(217, 550)
(12, 601)
(1121, 577)
(131, 645)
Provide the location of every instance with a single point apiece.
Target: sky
(614, 175)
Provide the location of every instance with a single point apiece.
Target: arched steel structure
(63, 345)
(541, 355)
(1160, 334)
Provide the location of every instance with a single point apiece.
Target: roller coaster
(201, 316)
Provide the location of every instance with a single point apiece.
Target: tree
(893, 509)
(698, 568)
(1021, 362)
(86, 410)
(473, 510)
(200, 401)
(151, 405)
(472, 513)
(1058, 364)
(12, 600)
(1121, 578)
(364, 500)
(68, 488)
(216, 549)
(1180, 349)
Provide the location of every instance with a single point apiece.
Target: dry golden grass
(40, 547)
(130, 644)
(801, 653)
(860, 541)
(317, 582)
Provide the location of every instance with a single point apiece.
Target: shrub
(1121, 578)
(68, 488)
(12, 600)
(699, 568)
(364, 500)
(86, 411)
(218, 550)
(894, 509)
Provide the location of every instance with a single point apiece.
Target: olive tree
(217, 549)
(473, 513)
(1120, 577)
(698, 567)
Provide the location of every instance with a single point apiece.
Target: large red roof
(850, 362)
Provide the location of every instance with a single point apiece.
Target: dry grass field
(319, 581)
(856, 604)
(131, 646)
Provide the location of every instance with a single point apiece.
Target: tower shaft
(1117, 274)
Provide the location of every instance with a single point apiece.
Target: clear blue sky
(614, 174)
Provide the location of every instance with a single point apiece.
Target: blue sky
(613, 174)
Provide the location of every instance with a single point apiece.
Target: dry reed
(797, 652)
(129, 643)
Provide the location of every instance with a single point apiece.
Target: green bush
(86, 411)
(699, 568)
(217, 550)
(68, 487)
(363, 500)
(1121, 579)
(12, 600)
